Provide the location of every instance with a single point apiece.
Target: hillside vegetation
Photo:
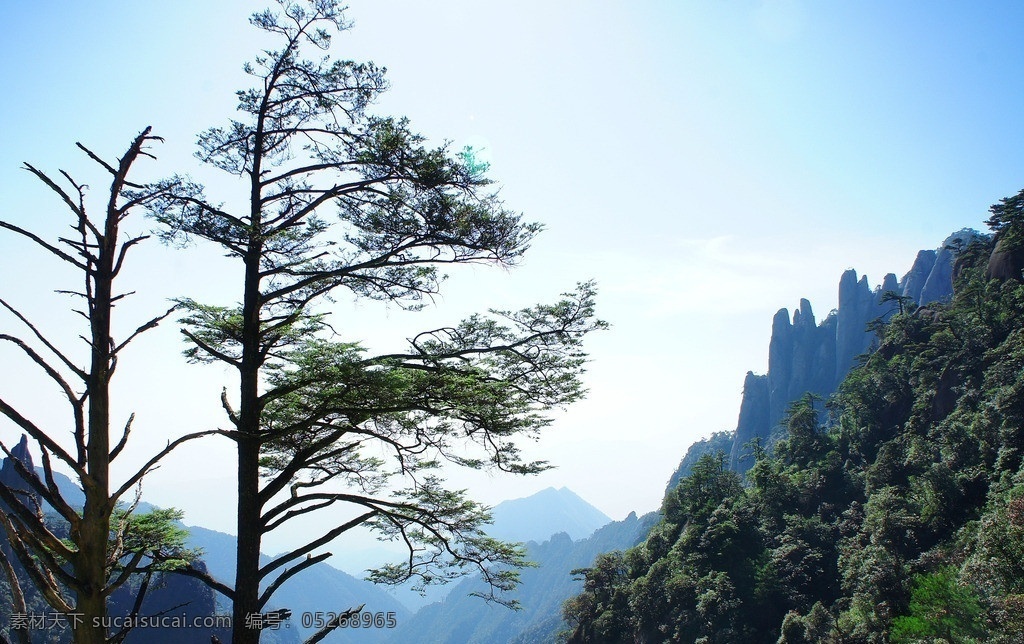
(894, 512)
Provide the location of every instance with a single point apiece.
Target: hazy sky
(706, 162)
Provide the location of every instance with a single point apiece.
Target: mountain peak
(9, 475)
(540, 515)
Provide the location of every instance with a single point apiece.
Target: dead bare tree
(76, 574)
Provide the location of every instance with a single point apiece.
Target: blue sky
(706, 163)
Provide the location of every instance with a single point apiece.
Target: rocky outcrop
(1005, 263)
(9, 475)
(754, 415)
(854, 297)
(807, 357)
(939, 284)
(801, 358)
(914, 281)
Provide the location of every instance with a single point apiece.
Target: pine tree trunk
(248, 557)
(250, 532)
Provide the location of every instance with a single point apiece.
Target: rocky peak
(8, 473)
(889, 283)
(805, 357)
(913, 281)
(804, 316)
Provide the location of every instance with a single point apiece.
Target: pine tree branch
(327, 537)
(288, 574)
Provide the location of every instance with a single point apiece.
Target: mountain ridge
(464, 619)
(545, 513)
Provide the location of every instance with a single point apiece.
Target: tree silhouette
(342, 200)
(903, 302)
(1007, 221)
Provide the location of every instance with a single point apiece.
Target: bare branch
(49, 492)
(31, 530)
(40, 436)
(205, 577)
(140, 597)
(97, 159)
(226, 404)
(151, 463)
(75, 207)
(17, 596)
(333, 624)
(121, 174)
(152, 324)
(292, 513)
(43, 581)
(50, 371)
(327, 537)
(124, 437)
(127, 571)
(57, 499)
(49, 345)
(124, 250)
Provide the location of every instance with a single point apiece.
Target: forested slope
(893, 513)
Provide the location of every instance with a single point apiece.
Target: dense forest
(891, 512)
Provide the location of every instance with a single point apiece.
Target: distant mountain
(548, 512)
(464, 619)
(320, 588)
(533, 518)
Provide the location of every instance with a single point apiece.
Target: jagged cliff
(808, 357)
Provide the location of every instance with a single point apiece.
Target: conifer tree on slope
(340, 200)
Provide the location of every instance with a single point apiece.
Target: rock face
(754, 417)
(804, 356)
(914, 281)
(939, 284)
(1006, 264)
(9, 475)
